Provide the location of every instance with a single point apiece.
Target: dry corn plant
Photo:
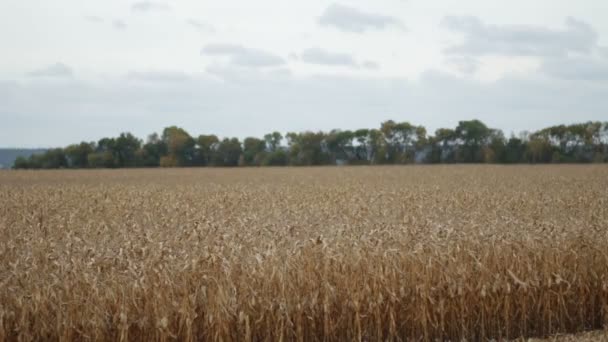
(308, 254)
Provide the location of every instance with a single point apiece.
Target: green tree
(515, 150)
(21, 163)
(307, 148)
(169, 161)
(77, 155)
(106, 145)
(180, 145)
(494, 151)
(400, 139)
(539, 149)
(473, 135)
(273, 141)
(103, 159)
(125, 150)
(207, 146)
(377, 152)
(254, 150)
(361, 149)
(393, 143)
(228, 152)
(52, 159)
(443, 146)
(151, 152)
(340, 145)
(275, 158)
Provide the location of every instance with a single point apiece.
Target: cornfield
(304, 254)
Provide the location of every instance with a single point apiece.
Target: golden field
(304, 254)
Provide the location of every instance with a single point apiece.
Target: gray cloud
(148, 6)
(465, 64)
(293, 56)
(201, 26)
(323, 57)
(249, 76)
(242, 56)
(93, 18)
(519, 40)
(119, 24)
(371, 65)
(272, 99)
(54, 70)
(350, 19)
(158, 76)
(576, 68)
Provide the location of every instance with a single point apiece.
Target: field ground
(306, 254)
(594, 336)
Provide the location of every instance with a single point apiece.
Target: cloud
(370, 65)
(158, 76)
(148, 6)
(242, 56)
(350, 19)
(119, 24)
(576, 68)
(323, 57)
(481, 39)
(223, 49)
(54, 70)
(249, 76)
(93, 19)
(464, 64)
(201, 26)
(272, 99)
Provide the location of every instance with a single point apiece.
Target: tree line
(393, 143)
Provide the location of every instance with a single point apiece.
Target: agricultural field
(304, 254)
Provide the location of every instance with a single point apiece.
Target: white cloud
(576, 68)
(200, 25)
(158, 76)
(248, 76)
(464, 64)
(350, 19)
(242, 56)
(119, 24)
(324, 57)
(481, 39)
(54, 70)
(371, 65)
(515, 65)
(93, 19)
(148, 6)
(270, 99)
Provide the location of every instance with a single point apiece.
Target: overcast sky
(73, 70)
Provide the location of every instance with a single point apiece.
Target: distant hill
(8, 155)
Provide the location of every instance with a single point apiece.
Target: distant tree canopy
(393, 143)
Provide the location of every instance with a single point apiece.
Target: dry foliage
(592, 336)
(366, 253)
